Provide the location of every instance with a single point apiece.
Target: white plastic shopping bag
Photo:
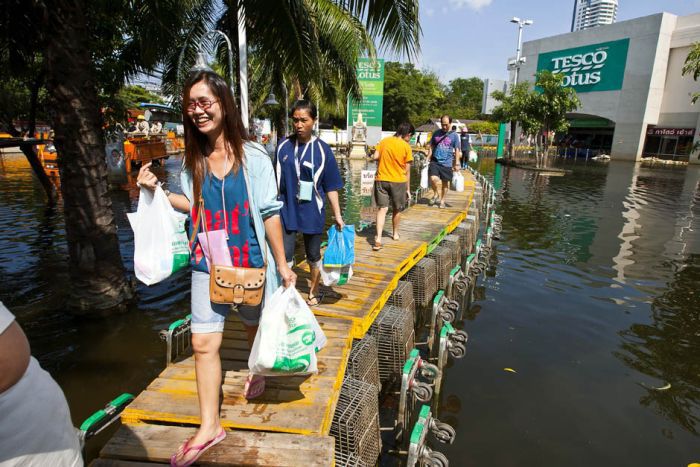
(424, 177)
(288, 337)
(336, 276)
(457, 181)
(473, 156)
(160, 241)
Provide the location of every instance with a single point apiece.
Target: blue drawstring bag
(341, 247)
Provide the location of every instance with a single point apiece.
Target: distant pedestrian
(392, 183)
(444, 154)
(466, 146)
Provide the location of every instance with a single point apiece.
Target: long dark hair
(196, 143)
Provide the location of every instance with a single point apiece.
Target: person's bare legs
(315, 279)
(381, 218)
(434, 185)
(207, 367)
(443, 192)
(395, 220)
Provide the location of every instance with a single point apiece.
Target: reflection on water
(591, 297)
(594, 303)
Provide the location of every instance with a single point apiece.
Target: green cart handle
(101, 419)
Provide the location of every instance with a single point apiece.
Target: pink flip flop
(254, 386)
(199, 450)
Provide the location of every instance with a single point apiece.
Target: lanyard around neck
(298, 158)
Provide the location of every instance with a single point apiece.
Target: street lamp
(272, 100)
(515, 66)
(200, 62)
(519, 60)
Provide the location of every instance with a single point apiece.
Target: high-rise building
(591, 13)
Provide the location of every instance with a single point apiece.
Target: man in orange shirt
(393, 179)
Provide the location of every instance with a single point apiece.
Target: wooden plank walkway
(290, 423)
(135, 445)
(300, 404)
(376, 273)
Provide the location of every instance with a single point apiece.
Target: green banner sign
(596, 67)
(370, 75)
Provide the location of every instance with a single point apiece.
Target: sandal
(442, 205)
(377, 246)
(254, 386)
(199, 450)
(434, 200)
(315, 300)
(396, 237)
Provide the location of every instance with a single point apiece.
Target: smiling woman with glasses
(229, 189)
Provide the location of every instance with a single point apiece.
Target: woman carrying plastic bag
(231, 182)
(160, 241)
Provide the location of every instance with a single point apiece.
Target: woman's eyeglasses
(203, 104)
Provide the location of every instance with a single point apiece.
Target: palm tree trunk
(29, 151)
(98, 276)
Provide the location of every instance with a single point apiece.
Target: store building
(635, 102)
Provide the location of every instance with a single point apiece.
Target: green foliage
(463, 97)
(549, 106)
(484, 127)
(692, 67)
(514, 105)
(540, 110)
(410, 95)
(128, 97)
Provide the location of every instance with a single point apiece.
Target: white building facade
(635, 102)
(591, 13)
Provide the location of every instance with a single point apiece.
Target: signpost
(370, 75)
(596, 67)
(366, 182)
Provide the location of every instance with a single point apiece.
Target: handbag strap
(195, 230)
(251, 202)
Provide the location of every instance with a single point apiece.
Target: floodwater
(591, 298)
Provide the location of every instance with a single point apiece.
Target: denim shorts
(210, 317)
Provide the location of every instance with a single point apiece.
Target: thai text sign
(366, 182)
(596, 67)
(370, 75)
(671, 131)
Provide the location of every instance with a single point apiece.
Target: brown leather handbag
(234, 285)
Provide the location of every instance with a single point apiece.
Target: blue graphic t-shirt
(242, 242)
(444, 145)
(305, 216)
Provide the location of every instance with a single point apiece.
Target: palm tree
(95, 46)
(91, 46)
(313, 45)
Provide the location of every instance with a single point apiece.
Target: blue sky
(464, 38)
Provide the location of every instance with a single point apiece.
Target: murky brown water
(592, 299)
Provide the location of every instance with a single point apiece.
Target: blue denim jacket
(262, 193)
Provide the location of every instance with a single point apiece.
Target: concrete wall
(653, 92)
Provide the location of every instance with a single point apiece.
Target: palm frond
(394, 23)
